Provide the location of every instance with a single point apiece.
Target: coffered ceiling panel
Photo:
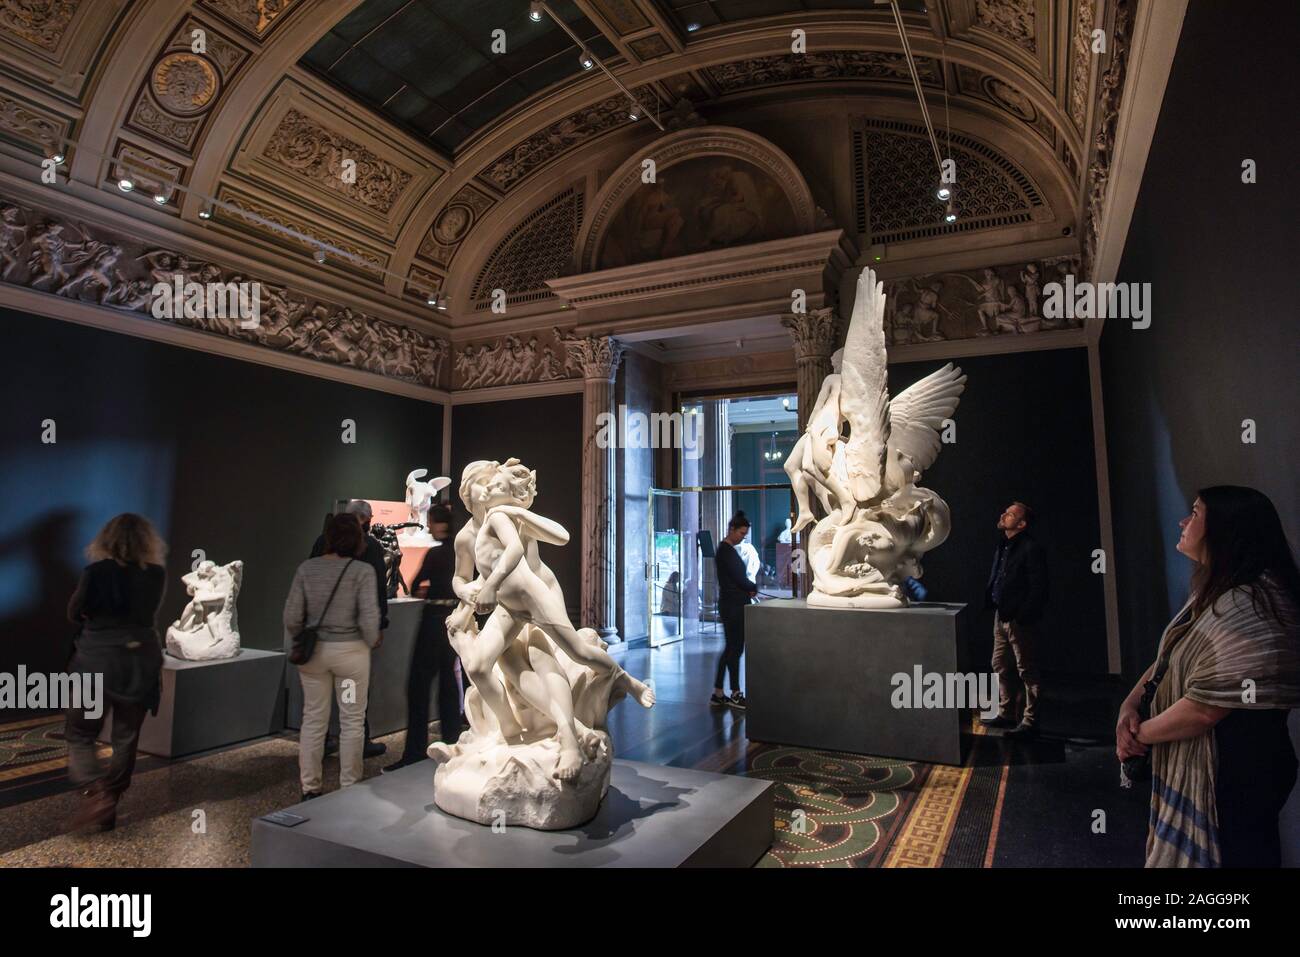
(692, 15)
(429, 65)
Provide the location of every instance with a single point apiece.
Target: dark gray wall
(1222, 343)
(1024, 432)
(240, 460)
(545, 434)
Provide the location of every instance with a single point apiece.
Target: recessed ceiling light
(692, 27)
(125, 185)
(535, 11)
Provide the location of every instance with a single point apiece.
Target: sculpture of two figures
(536, 752)
(209, 626)
(877, 521)
(420, 496)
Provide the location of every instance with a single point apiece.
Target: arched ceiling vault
(253, 120)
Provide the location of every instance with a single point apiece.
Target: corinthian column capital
(814, 333)
(597, 356)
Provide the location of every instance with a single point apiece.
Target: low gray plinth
(390, 669)
(210, 704)
(821, 677)
(651, 817)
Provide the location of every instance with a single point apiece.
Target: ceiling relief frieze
(1109, 96)
(306, 148)
(40, 23)
(541, 356)
(453, 223)
(976, 303)
(818, 66)
(52, 254)
(30, 124)
(559, 138)
(1013, 20)
(257, 17)
(1081, 60)
(183, 87)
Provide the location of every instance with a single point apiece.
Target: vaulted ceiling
(457, 143)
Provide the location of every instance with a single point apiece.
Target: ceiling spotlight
(692, 27)
(943, 193)
(319, 256)
(633, 110)
(535, 11)
(785, 404)
(951, 215)
(125, 185)
(59, 157)
(585, 61)
(160, 199)
(205, 212)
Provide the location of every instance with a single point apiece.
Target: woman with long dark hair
(115, 605)
(1227, 674)
(735, 591)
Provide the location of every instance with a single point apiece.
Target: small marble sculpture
(877, 521)
(420, 496)
(209, 626)
(536, 752)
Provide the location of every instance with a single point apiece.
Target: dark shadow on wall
(1024, 432)
(236, 459)
(1221, 347)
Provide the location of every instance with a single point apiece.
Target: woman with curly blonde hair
(115, 605)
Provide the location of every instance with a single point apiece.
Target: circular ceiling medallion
(184, 83)
(1010, 99)
(452, 224)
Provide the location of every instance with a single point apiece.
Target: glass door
(664, 572)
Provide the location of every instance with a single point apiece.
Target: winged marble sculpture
(877, 521)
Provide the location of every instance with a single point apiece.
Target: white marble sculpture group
(536, 752)
(209, 626)
(420, 496)
(877, 521)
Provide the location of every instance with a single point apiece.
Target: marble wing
(917, 413)
(864, 395)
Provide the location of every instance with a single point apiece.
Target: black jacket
(374, 557)
(1024, 582)
(734, 588)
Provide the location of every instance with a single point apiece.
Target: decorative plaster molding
(257, 17)
(511, 360)
(450, 227)
(821, 66)
(51, 254)
(1109, 96)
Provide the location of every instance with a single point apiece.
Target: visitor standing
(735, 591)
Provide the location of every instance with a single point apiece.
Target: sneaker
(998, 722)
(374, 749)
(719, 700)
(737, 700)
(1023, 730)
(308, 795)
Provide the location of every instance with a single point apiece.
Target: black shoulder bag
(304, 643)
(1138, 767)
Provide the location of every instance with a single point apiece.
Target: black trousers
(733, 628)
(82, 734)
(433, 658)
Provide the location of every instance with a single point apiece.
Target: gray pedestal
(651, 817)
(210, 704)
(390, 669)
(822, 677)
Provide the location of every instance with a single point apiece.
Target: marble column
(815, 335)
(599, 357)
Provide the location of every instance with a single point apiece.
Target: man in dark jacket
(374, 557)
(1017, 592)
(735, 591)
